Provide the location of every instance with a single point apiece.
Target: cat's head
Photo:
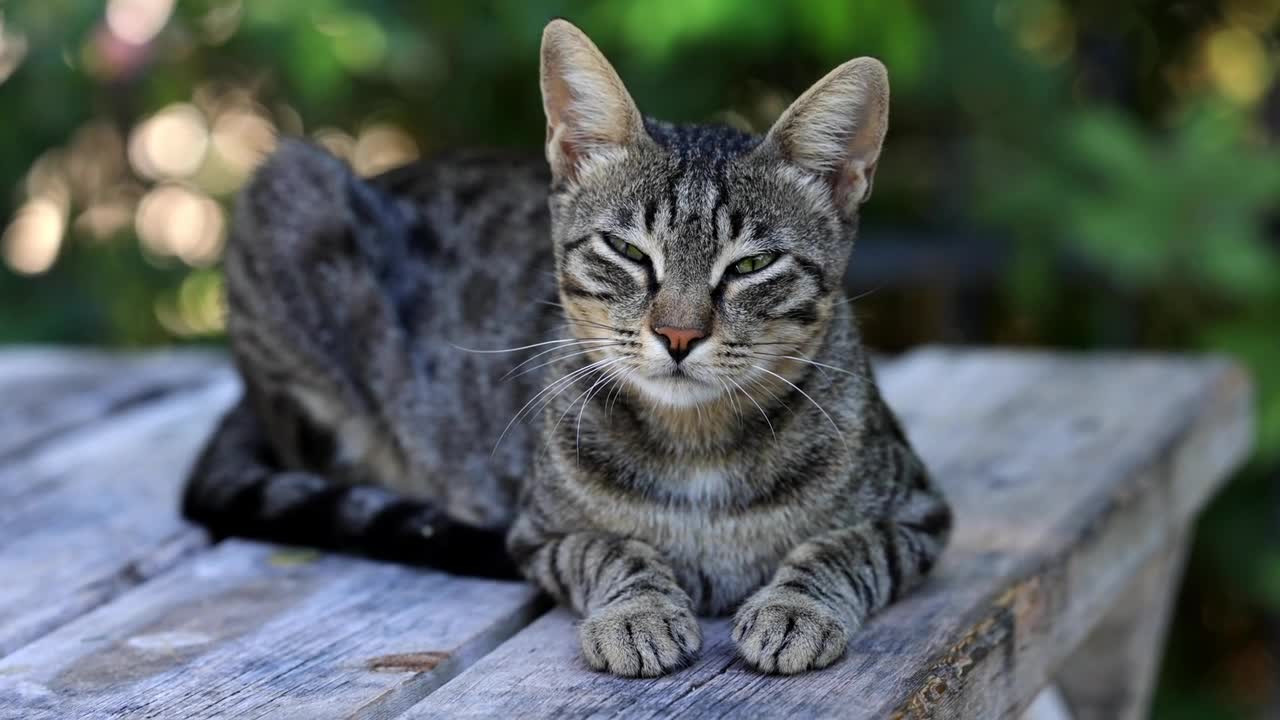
(701, 256)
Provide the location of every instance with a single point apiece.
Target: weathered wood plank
(1112, 675)
(1068, 474)
(47, 391)
(95, 511)
(247, 631)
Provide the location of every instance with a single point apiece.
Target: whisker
(566, 346)
(757, 382)
(597, 367)
(554, 428)
(733, 399)
(814, 363)
(524, 347)
(553, 360)
(569, 322)
(568, 378)
(859, 296)
(577, 376)
(616, 393)
(766, 356)
(759, 344)
(609, 377)
(763, 414)
(815, 403)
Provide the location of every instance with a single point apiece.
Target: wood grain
(48, 391)
(95, 510)
(251, 631)
(1068, 475)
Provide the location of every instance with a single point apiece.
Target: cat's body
(710, 433)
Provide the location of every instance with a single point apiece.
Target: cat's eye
(754, 263)
(625, 248)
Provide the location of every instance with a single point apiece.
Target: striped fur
(760, 473)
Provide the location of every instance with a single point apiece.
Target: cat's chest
(720, 553)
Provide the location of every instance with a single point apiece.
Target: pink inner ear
(847, 181)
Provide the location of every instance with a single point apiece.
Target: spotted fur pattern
(363, 425)
(756, 471)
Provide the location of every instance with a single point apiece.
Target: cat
(711, 437)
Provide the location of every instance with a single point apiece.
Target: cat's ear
(588, 109)
(836, 128)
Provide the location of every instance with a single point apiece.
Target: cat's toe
(787, 633)
(641, 638)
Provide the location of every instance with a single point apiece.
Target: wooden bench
(1075, 481)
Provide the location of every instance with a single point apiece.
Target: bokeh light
(381, 147)
(222, 21)
(243, 136)
(177, 221)
(197, 308)
(170, 144)
(336, 141)
(1237, 62)
(138, 21)
(13, 49)
(31, 242)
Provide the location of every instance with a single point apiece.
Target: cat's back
(355, 298)
(483, 279)
(479, 247)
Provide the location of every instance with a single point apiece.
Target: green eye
(754, 263)
(625, 248)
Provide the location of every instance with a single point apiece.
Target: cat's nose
(680, 340)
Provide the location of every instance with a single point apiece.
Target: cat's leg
(637, 621)
(827, 587)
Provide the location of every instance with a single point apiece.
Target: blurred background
(1063, 173)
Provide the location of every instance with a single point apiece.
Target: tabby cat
(711, 438)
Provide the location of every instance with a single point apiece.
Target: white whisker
(565, 346)
(551, 436)
(859, 296)
(763, 414)
(616, 392)
(553, 361)
(733, 399)
(610, 376)
(524, 347)
(759, 383)
(815, 403)
(810, 362)
(569, 378)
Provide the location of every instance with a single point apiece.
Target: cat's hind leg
(237, 489)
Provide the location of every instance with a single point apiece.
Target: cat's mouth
(676, 388)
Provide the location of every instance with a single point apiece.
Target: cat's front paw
(643, 637)
(787, 632)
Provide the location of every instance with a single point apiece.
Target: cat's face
(705, 273)
(694, 261)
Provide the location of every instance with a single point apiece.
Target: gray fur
(761, 473)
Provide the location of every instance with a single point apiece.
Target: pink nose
(680, 340)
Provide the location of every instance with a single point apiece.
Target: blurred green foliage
(1121, 156)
